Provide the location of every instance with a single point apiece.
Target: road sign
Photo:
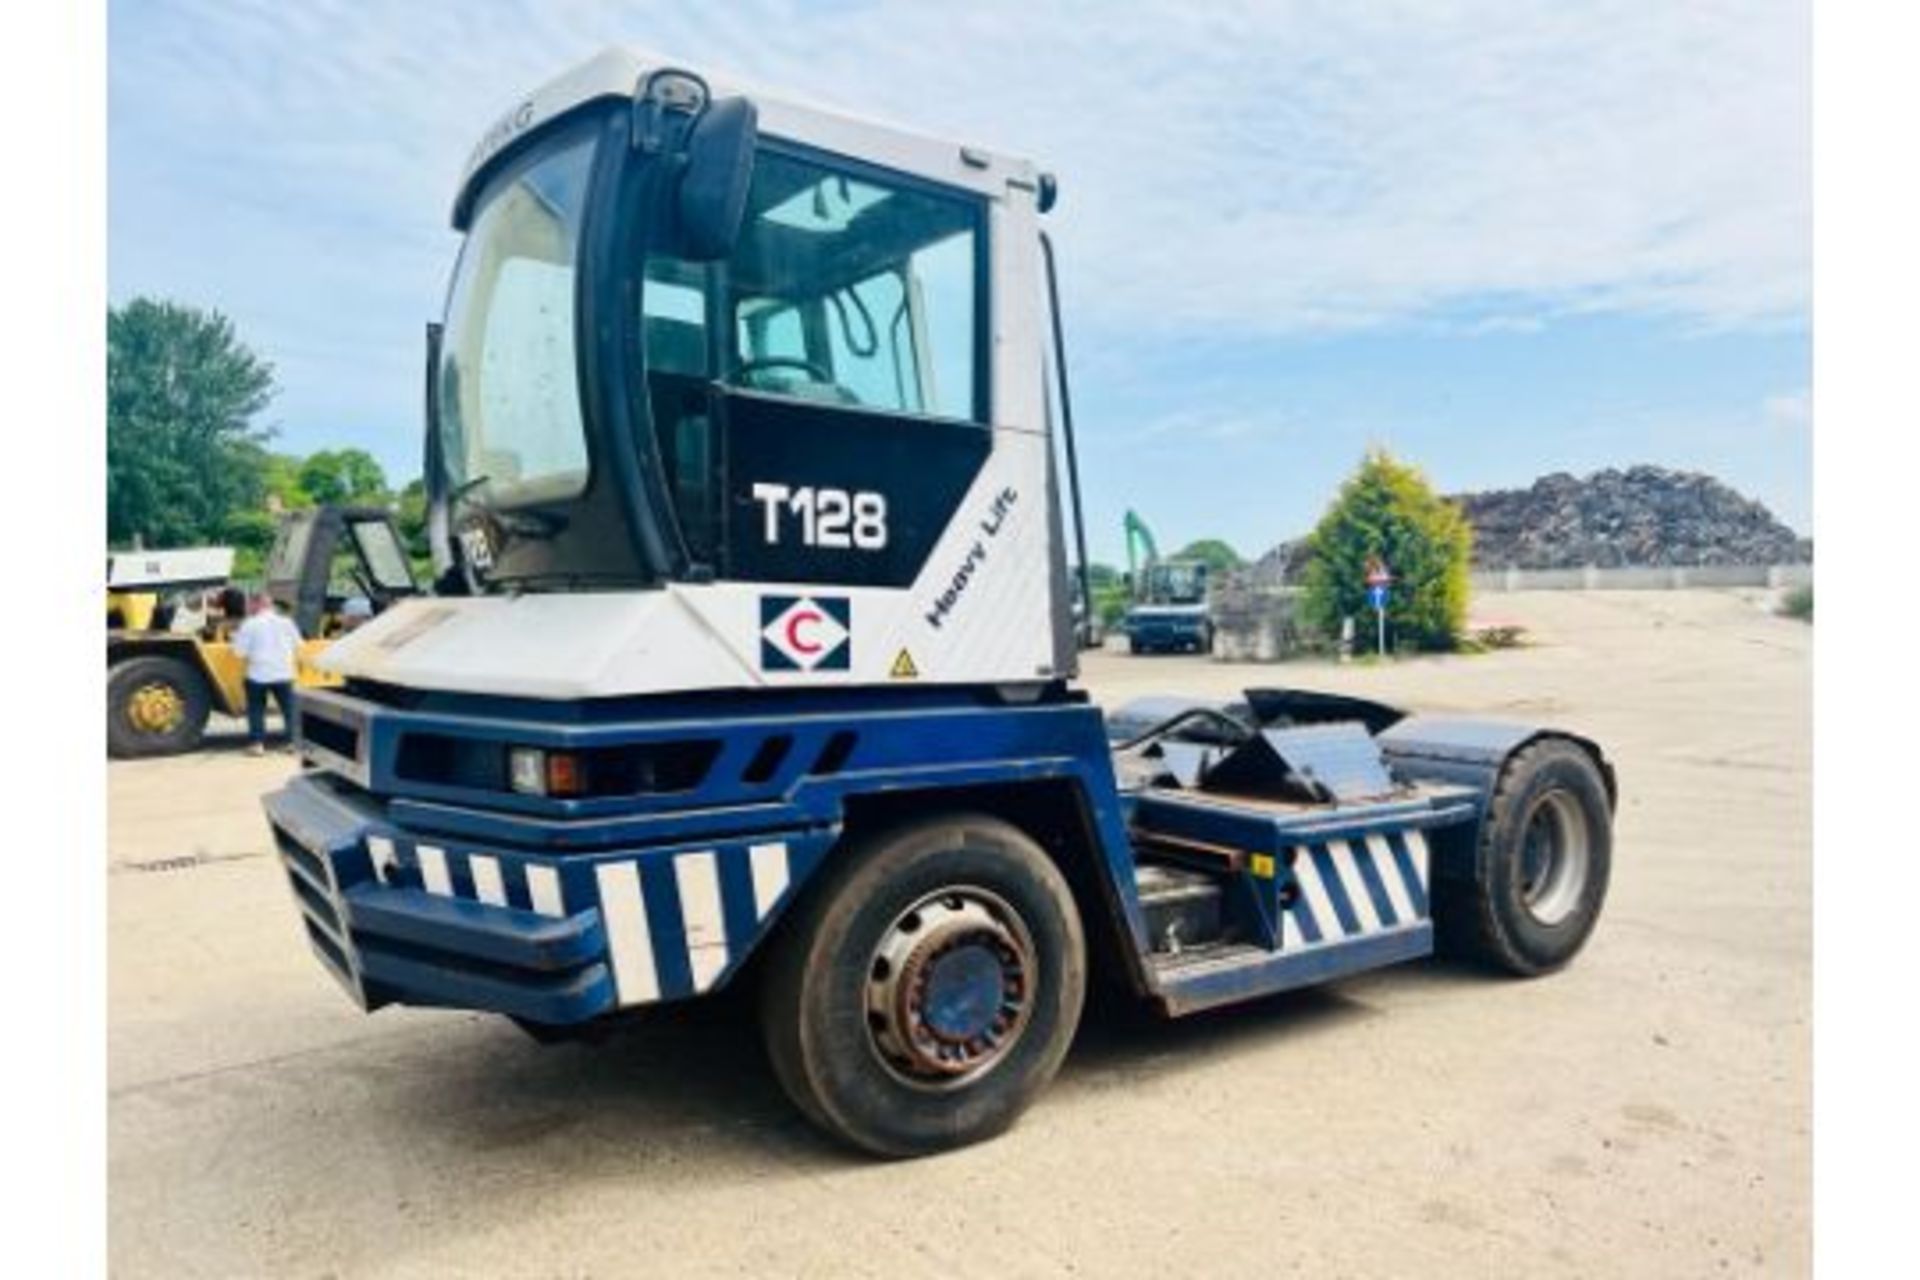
(1377, 581)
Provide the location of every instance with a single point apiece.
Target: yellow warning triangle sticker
(903, 668)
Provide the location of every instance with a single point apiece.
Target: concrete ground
(1644, 1113)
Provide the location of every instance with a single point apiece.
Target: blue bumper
(401, 918)
(1166, 633)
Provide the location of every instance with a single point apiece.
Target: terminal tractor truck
(751, 465)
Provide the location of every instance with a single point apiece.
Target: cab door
(821, 397)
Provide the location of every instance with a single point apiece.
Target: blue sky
(1499, 239)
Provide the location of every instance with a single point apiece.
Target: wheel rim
(1555, 855)
(950, 988)
(156, 707)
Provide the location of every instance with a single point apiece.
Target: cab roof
(616, 72)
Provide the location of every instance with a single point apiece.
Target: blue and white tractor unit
(751, 471)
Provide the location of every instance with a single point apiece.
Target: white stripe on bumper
(486, 879)
(629, 941)
(769, 876)
(698, 876)
(433, 870)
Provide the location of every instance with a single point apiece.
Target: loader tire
(1539, 874)
(156, 706)
(928, 987)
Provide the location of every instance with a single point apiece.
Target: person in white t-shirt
(269, 643)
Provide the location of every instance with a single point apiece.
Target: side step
(1226, 925)
(1225, 973)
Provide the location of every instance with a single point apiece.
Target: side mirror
(713, 190)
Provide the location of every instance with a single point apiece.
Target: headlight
(527, 770)
(533, 771)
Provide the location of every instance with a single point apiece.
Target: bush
(1799, 603)
(1388, 510)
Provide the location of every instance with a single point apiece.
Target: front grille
(342, 740)
(314, 892)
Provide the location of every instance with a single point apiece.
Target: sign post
(1378, 579)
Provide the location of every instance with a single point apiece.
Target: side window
(680, 360)
(771, 334)
(673, 304)
(872, 345)
(857, 291)
(943, 274)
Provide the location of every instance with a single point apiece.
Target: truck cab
(1170, 610)
(750, 452)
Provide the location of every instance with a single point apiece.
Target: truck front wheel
(156, 706)
(928, 988)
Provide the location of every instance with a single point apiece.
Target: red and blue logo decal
(806, 633)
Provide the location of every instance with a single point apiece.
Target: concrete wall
(1256, 626)
(1264, 626)
(1676, 578)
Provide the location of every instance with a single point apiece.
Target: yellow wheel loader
(170, 659)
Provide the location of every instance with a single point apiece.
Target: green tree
(343, 475)
(182, 450)
(280, 472)
(1387, 510)
(250, 533)
(410, 520)
(1212, 552)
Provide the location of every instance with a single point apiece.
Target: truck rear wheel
(155, 707)
(1540, 872)
(929, 987)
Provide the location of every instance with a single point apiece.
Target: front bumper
(550, 938)
(1166, 634)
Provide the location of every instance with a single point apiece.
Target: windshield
(510, 420)
(1177, 584)
(385, 558)
(290, 549)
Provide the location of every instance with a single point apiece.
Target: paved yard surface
(1643, 1114)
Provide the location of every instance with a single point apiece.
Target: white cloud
(1234, 174)
(1269, 167)
(1791, 411)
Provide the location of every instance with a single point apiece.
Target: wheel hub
(950, 987)
(1553, 858)
(156, 708)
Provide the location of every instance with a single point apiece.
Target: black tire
(1528, 908)
(1133, 646)
(827, 972)
(132, 734)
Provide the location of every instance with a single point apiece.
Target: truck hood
(568, 646)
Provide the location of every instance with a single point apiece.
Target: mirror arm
(661, 94)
